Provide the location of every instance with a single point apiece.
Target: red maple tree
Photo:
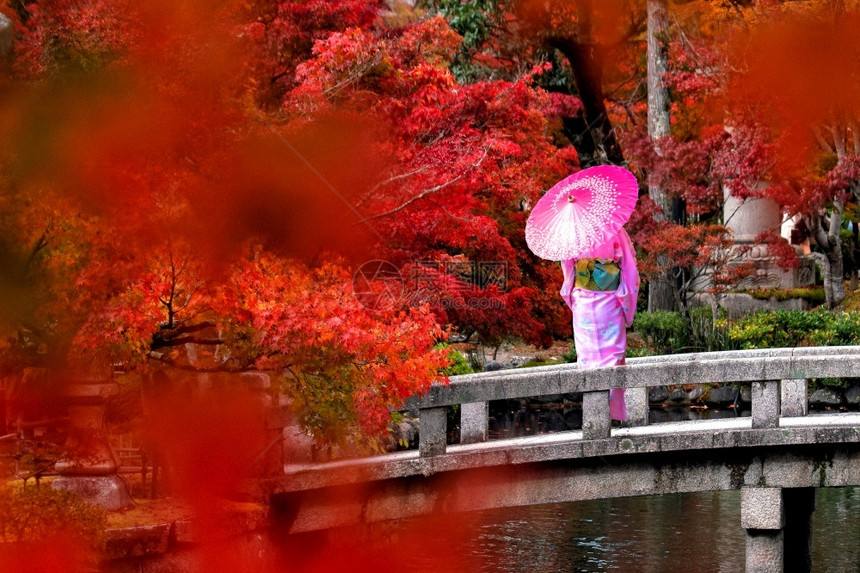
(136, 221)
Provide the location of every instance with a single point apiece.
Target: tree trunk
(835, 282)
(855, 250)
(831, 262)
(586, 62)
(824, 264)
(661, 295)
(658, 94)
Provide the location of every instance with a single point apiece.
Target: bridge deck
(820, 429)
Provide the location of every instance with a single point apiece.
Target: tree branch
(178, 335)
(159, 357)
(822, 141)
(855, 135)
(432, 190)
(838, 141)
(813, 223)
(191, 328)
(836, 220)
(180, 340)
(392, 179)
(40, 245)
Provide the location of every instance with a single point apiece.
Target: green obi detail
(597, 274)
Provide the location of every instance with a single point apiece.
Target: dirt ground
(517, 352)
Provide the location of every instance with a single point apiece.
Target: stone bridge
(776, 457)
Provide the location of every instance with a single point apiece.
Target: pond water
(655, 533)
(662, 534)
(698, 532)
(639, 534)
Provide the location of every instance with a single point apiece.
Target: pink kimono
(601, 318)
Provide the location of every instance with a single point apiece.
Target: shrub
(845, 329)
(637, 352)
(662, 331)
(783, 328)
(459, 364)
(789, 328)
(837, 383)
(707, 333)
(570, 356)
(38, 513)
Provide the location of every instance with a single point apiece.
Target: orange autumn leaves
(166, 184)
(799, 66)
(158, 141)
(312, 327)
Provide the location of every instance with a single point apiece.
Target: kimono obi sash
(597, 274)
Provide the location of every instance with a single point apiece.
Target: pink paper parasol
(581, 212)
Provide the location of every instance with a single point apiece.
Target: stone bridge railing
(777, 458)
(778, 377)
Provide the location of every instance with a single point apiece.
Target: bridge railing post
(795, 397)
(432, 431)
(474, 420)
(765, 404)
(595, 415)
(636, 400)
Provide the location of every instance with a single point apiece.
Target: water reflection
(661, 534)
(836, 531)
(655, 533)
(698, 532)
(682, 532)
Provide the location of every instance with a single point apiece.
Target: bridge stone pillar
(595, 415)
(795, 397)
(765, 404)
(779, 528)
(763, 516)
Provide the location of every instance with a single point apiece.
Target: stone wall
(179, 545)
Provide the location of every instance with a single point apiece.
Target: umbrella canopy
(581, 212)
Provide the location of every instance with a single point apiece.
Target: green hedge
(459, 363)
(664, 332)
(669, 333)
(790, 328)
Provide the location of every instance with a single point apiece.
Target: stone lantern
(88, 468)
(747, 219)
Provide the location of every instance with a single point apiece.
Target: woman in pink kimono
(601, 288)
